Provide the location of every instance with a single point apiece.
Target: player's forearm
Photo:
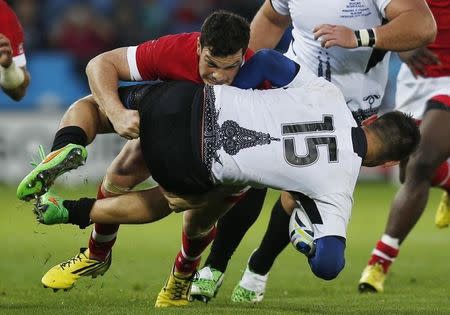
(267, 28)
(103, 81)
(410, 29)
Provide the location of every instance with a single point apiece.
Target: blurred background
(61, 36)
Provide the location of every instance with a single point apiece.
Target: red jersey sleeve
(11, 28)
(172, 57)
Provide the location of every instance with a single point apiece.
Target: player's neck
(373, 147)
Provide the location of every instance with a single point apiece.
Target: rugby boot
(207, 284)
(251, 288)
(64, 275)
(176, 290)
(372, 279)
(56, 163)
(442, 217)
(49, 209)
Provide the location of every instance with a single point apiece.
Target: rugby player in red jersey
(423, 90)
(14, 77)
(212, 56)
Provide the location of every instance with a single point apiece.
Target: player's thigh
(434, 145)
(288, 202)
(86, 114)
(128, 168)
(216, 203)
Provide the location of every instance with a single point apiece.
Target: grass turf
(418, 282)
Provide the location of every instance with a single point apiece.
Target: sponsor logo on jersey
(354, 9)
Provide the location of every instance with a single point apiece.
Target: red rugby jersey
(171, 57)
(441, 46)
(11, 28)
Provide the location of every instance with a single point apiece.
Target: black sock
(79, 211)
(273, 243)
(232, 227)
(70, 134)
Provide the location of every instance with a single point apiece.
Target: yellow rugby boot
(64, 275)
(442, 217)
(372, 279)
(176, 291)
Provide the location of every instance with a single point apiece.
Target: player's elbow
(428, 31)
(93, 64)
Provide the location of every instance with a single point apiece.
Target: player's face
(218, 70)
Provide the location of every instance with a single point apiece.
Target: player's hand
(126, 123)
(5, 51)
(417, 59)
(335, 35)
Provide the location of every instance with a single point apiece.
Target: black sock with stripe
(275, 240)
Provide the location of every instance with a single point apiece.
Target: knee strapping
(328, 260)
(112, 188)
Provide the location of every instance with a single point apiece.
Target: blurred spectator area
(61, 36)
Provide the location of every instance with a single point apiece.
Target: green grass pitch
(143, 255)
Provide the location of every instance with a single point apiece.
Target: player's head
(390, 138)
(221, 47)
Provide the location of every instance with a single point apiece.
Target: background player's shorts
(412, 94)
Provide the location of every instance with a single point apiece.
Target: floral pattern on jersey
(229, 136)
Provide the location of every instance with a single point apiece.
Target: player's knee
(328, 260)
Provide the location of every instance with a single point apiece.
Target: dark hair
(399, 134)
(225, 33)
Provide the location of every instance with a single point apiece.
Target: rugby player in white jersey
(347, 43)
(234, 138)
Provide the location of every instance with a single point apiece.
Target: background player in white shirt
(228, 137)
(325, 42)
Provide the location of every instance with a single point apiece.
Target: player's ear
(199, 47)
(369, 120)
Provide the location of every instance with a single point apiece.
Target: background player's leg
(231, 229)
(252, 286)
(411, 199)
(198, 232)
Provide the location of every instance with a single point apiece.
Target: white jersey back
(296, 138)
(347, 68)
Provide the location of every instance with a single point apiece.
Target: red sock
(442, 176)
(103, 236)
(189, 256)
(384, 255)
